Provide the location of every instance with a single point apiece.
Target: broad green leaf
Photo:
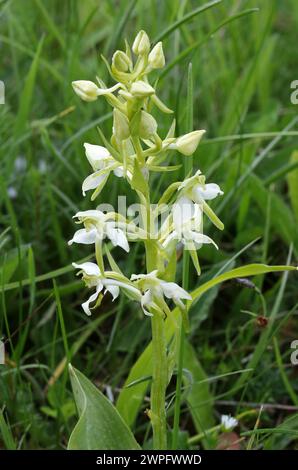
(100, 427)
(199, 397)
(244, 271)
(130, 399)
(293, 184)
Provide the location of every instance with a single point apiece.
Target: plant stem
(159, 383)
(159, 357)
(188, 165)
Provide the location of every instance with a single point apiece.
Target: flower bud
(86, 90)
(148, 125)
(156, 57)
(141, 44)
(187, 144)
(141, 89)
(121, 61)
(120, 125)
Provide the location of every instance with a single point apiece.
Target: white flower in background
(228, 423)
(97, 227)
(187, 225)
(155, 289)
(20, 164)
(12, 192)
(102, 164)
(93, 277)
(42, 166)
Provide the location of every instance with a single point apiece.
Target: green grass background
(243, 64)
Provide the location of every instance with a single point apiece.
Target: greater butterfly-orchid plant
(134, 150)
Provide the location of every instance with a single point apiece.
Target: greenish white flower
(97, 227)
(97, 156)
(154, 290)
(93, 277)
(102, 163)
(197, 190)
(89, 91)
(187, 226)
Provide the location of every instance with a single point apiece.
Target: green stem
(188, 165)
(159, 357)
(195, 439)
(159, 383)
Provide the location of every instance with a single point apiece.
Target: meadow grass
(244, 58)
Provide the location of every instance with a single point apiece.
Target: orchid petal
(200, 239)
(92, 181)
(92, 298)
(119, 172)
(183, 211)
(210, 191)
(146, 300)
(172, 291)
(83, 236)
(89, 214)
(91, 269)
(117, 236)
(114, 290)
(96, 155)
